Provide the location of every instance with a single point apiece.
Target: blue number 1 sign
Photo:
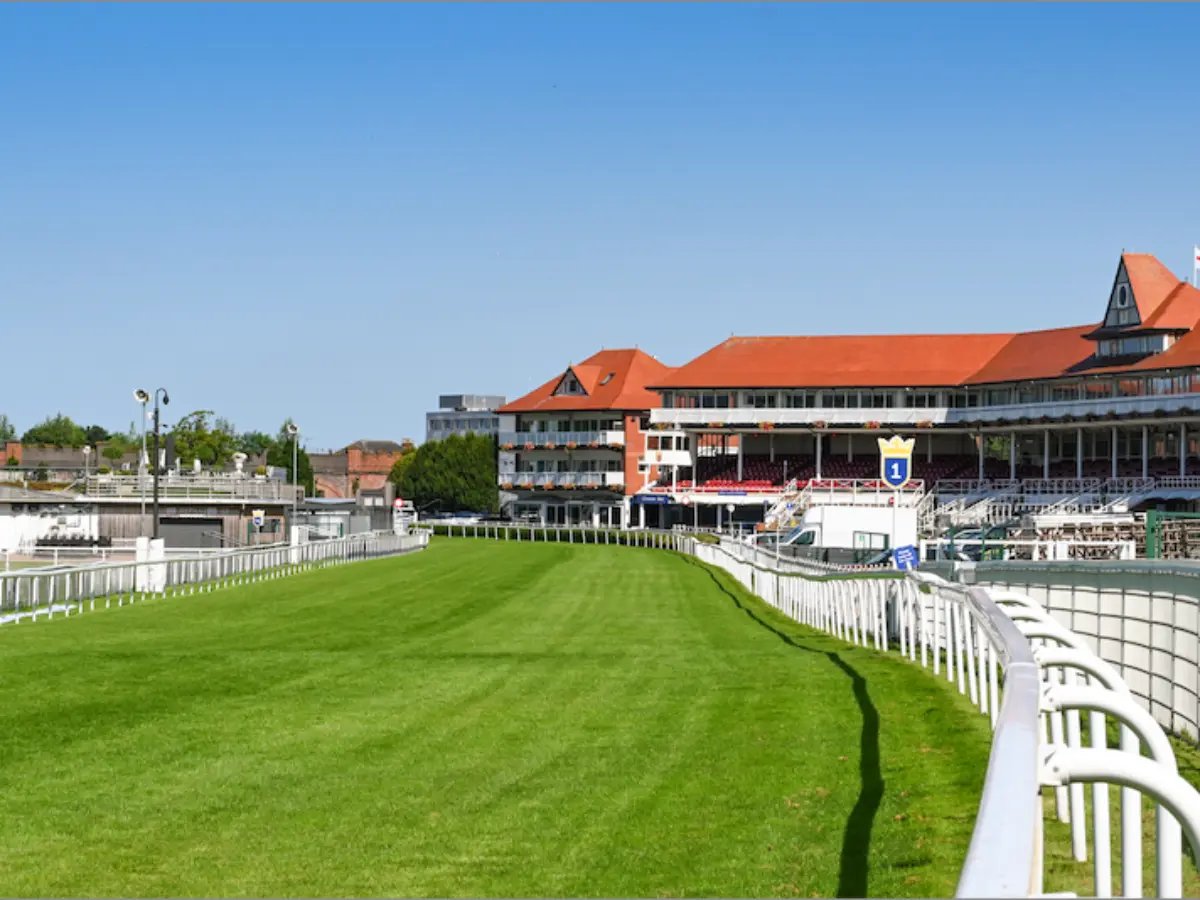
(895, 461)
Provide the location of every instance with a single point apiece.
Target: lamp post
(165, 401)
(294, 430)
(143, 398)
(87, 452)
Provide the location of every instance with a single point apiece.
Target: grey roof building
(464, 414)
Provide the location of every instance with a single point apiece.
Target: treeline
(200, 435)
(457, 474)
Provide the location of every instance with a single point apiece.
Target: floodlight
(292, 428)
(141, 396)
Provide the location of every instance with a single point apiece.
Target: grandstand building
(570, 450)
(1097, 417)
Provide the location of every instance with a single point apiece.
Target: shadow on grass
(856, 840)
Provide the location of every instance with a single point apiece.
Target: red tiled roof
(1036, 354)
(1152, 284)
(945, 360)
(930, 360)
(631, 370)
(1179, 309)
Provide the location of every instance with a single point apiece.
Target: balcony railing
(751, 417)
(561, 440)
(191, 487)
(562, 480)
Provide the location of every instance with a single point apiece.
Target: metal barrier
(51, 591)
(1022, 670)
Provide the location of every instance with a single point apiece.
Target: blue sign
(651, 499)
(895, 461)
(906, 558)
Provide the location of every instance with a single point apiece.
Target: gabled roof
(1152, 283)
(632, 371)
(917, 360)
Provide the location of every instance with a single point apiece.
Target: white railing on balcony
(560, 440)
(859, 492)
(191, 488)
(544, 480)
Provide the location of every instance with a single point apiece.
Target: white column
(1183, 449)
(595, 515)
(1145, 450)
(741, 439)
(1078, 452)
(641, 515)
(979, 441)
(817, 438)
(718, 506)
(1012, 456)
(1114, 451)
(674, 478)
(542, 506)
(1046, 453)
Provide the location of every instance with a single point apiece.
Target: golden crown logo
(897, 446)
(895, 460)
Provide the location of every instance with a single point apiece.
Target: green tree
(7, 431)
(453, 475)
(253, 443)
(196, 438)
(95, 434)
(408, 452)
(57, 430)
(279, 454)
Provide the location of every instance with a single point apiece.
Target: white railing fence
(1030, 675)
(63, 591)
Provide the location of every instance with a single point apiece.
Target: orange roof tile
(1036, 354)
(931, 360)
(1151, 281)
(631, 370)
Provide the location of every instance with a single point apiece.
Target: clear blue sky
(338, 212)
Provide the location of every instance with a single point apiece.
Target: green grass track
(478, 719)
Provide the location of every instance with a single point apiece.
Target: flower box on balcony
(527, 485)
(571, 445)
(507, 486)
(506, 446)
(529, 446)
(714, 424)
(548, 486)
(595, 445)
(549, 445)
(872, 425)
(767, 426)
(925, 424)
(818, 424)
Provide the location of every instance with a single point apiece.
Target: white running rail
(1030, 675)
(50, 591)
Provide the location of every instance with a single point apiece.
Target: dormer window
(570, 386)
